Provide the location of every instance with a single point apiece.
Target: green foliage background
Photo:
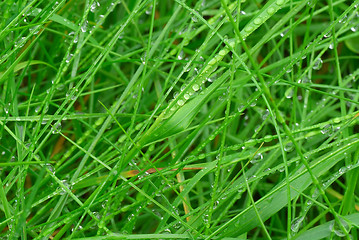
(155, 119)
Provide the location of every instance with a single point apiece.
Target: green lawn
(154, 119)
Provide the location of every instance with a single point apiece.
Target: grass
(179, 119)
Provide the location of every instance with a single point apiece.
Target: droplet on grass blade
(289, 147)
(289, 93)
(194, 17)
(180, 102)
(336, 229)
(318, 64)
(84, 26)
(195, 87)
(296, 224)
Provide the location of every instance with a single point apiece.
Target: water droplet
(251, 177)
(344, 19)
(46, 108)
(257, 158)
(63, 190)
(331, 46)
(94, 5)
(282, 34)
(354, 28)
(318, 64)
(69, 58)
(296, 224)
(327, 129)
(257, 20)
(266, 170)
(280, 2)
(180, 55)
(201, 156)
(328, 34)
(56, 128)
(304, 80)
(271, 10)
(265, 114)
(205, 218)
(289, 93)
(250, 142)
(254, 103)
(336, 229)
(180, 102)
(34, 30)
(50, 167)
(149, 10)
(21, 42)
(343, 170)
(289, 147)
(98, 216)
(249, 29)
(194, 17)
(195, 87)
(84, 26)
(186, 96)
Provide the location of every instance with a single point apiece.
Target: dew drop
(304, 80)
(50, 167)
(143, 59)
(335, 228)
(289, 93)
(327, 129)
(84, 26)
(280, 2)
(271, 10)
(344, 19)
(296, 223)
(289, 147)
(328, 34)
(318, 64)
(254, 103)
(343, 170)
(249, 29)
(268, 138)
(266, 170)
(149, 10)
(181, 55)
(265, 114)
(257, 20)
(94, 5)
(46, 108)
(195, 87)
(76, 39)
(194, 17)
(282, 34)
(56, 128)
(69, 58)
(180, 102)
